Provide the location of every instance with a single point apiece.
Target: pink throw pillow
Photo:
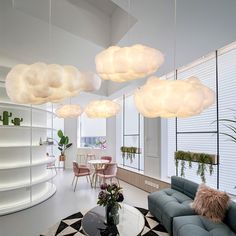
(211, 203)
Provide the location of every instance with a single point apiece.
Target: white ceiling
(82, 28)
(106, 6)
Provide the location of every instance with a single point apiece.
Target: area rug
(71, 226)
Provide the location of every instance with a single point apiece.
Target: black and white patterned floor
(71, 226)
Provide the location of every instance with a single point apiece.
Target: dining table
(97, 165)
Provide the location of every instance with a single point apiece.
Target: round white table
(97, 164)
(131, 222)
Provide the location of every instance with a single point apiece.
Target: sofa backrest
(184, 186)
(230, 218)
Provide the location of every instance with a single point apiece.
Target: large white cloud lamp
(102, 109)
(41, 83)
(173, 98)
(69, 111)
(128, 63)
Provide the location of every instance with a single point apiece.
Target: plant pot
(62, 158)
(112, 214)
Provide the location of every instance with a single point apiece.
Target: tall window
(199, 133)
(129, 128)
(91, 132)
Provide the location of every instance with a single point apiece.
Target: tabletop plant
(63, 144)
(110, 197)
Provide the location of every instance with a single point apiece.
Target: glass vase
(112, 214)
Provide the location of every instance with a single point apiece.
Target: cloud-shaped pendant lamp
(41, 83)
(128, 63)
(173, 98)
(69, 111)
(102, 109)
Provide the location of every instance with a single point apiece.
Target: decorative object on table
(16, 121)
(63, 144)
(72, 225)
(5, 117)
(110, 197)
(173, 98)
(47, 83)
(102, 109)
(40, 142)
(204, 160)
(69, 111)
(129, 152)
(101, 142)
(128, 63)
(211, 203)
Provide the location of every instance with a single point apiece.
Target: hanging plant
(205, 163)
(129, 152)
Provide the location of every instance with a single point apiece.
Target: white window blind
(197, 133)
(227, 102)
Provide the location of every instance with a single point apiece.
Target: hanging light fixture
(89, 81)
(128, 63)
(121, 64)
(41, 83)
(173, 98)
(69, 111)
(102, 109)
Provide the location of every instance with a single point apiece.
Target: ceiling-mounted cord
(175, 36)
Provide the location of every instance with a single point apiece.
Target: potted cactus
(16, 121)
(5, 117)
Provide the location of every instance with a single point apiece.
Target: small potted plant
(110, 197)
(63, 144)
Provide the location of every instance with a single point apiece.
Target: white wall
(70, 130)
(202, 26)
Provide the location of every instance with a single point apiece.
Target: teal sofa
(172, 208)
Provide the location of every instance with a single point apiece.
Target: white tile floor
(33, 221)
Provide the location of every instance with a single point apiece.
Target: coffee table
(131, 222)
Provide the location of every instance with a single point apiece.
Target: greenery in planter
(204, 160)
(129, 152)
(63, 144)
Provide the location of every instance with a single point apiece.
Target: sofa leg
(76, 183)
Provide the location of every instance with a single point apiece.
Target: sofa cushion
(184, 186)
(168, 203)
(211, 203)
(230, 218)
(199, 226)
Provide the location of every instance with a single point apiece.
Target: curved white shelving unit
(23, 165)
(24, 179)
(11, 208)
(23, 146)
(24, 127)
(41, 179)
(19, 106)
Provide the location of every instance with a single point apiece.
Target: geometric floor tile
(71, 226)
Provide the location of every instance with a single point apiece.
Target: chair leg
(118, 181)
(73, 180)
(87, 178)
(95, 182)
(90, 181)
(110, 180)
(76, 183)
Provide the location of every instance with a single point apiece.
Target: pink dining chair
(109, 172)
(80, 171)
(100, 170)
